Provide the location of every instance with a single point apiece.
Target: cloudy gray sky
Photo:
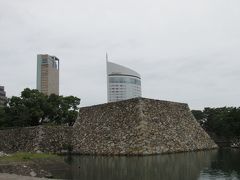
(186, 51)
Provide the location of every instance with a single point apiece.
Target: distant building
(3, 97)
(48, 74)
(122, 83)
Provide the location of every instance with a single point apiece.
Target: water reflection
(183, 166)
(226, 165)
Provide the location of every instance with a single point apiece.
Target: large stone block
(138, 127)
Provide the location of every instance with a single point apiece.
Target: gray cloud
(186, 51)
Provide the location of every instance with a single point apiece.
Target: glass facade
(129, 80)
(123, 83)
(54, 62)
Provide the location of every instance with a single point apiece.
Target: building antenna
(106, 56)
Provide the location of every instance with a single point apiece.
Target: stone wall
(138, 127)
(133, 127)
(52, 139)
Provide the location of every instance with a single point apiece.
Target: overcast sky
(185, 50)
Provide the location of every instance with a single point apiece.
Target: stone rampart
(138, 127)
(50, 139)
(133, 127)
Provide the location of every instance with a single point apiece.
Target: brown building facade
(48, 74)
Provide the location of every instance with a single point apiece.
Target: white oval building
(123, 83)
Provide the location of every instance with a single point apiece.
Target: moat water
(223, 164)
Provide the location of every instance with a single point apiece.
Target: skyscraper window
(123, 83)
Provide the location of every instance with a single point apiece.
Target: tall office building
(48, 74)
(3, 97)
(122, 83)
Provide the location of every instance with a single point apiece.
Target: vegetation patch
(224, 121)
(36, 165)
(22, 156)
(33, 108)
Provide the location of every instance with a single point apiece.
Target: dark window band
(124, 75)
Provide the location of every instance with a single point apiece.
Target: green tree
(198, 114)
(224, 121)
(33, 108)
(2, 116)
(26, 110)
(70, 109)
(63, 110)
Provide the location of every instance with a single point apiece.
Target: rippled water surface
(204, 165)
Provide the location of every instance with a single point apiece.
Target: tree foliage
(33, 108)
(223, 121)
